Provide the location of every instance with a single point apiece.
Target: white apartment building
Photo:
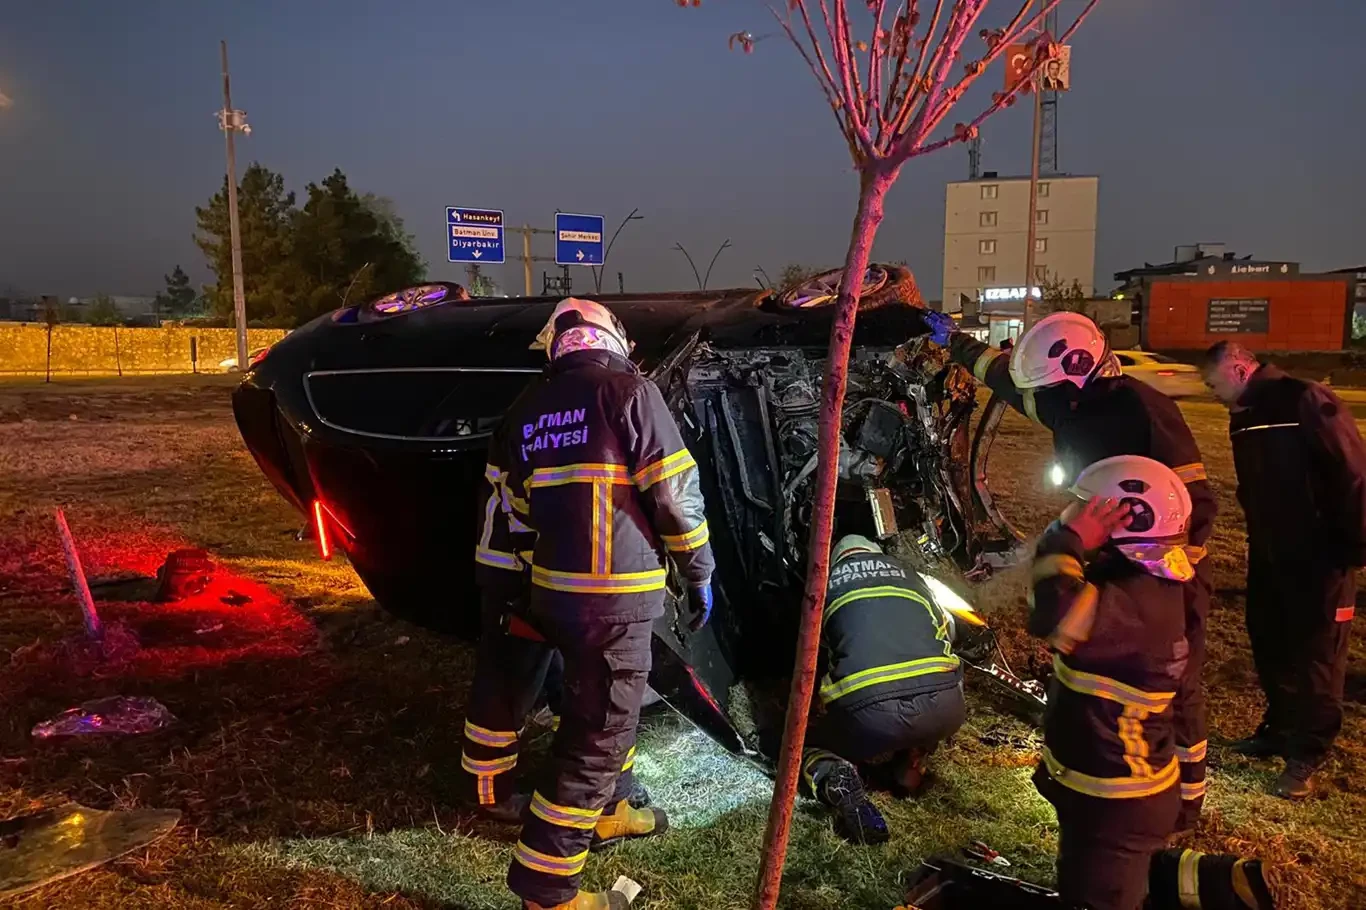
(986, 232)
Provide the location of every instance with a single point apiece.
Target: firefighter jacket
(884, 635)
(1117, 628)
(593, 462)
(1111, 416)
(1301, 471)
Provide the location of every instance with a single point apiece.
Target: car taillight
(1166, 372)
(320, 525)
(257, 357)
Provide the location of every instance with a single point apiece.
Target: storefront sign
(1239, 317)
(1253, 269)
(1009, 293)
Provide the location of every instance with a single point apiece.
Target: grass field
(317, 740)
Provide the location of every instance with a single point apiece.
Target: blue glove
(699, 606)
(941, 326)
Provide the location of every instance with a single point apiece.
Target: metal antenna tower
(1048, 126)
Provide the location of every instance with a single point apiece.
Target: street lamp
(232, 121)
(598, 271)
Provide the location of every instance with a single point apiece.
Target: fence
(38, 349)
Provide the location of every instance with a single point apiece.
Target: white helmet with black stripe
(1159, 504)
(1061, 347)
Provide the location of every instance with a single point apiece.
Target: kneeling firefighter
(594, 463)
(893, 690)
(1062, 374)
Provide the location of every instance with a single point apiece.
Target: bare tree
(889, 95)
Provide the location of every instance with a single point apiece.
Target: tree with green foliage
(1059, 297)
(795, 273)
(266, 214)
(103, 311)
(179, 299)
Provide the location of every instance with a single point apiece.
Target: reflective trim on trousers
(1112, 689)
(832, 689)
(485, 772)
(498, 559)
(1195, 753)
(563, 816)
(537, 861)
(495, 739)
(630, 760)
(1194, 791)
(1188, 879)
(1112, 787)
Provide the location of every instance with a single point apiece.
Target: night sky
(1242, 121)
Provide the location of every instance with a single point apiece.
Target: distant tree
(266, 213)
(179, 299)
(795, 273)
(103, 311)
(342, 242)
(1059, 297)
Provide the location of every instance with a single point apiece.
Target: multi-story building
(986, 230)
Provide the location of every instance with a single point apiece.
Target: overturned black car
(374, 422)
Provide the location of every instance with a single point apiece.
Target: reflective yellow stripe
(493, 474)
(579, 473)
(550, 865)
(519, 505)
(563, 816)
(663, 469)
(496, 739)
(1112, 787)
(1075, 625)
(596, 557)
(1113, 689)
(630, 760)
(593, 583)
(498, 559)
(1190, 473)
(833, 689)
(1031, 408)
(1195, 790)
(984, 362)
(1241, 886)
(1188, 879)
(1195, 554)
(812, 756)
(691, 540)
(1193, 753)
(1055, 565)
(491, 767)
(1135, 742)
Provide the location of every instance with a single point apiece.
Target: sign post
(474, 235)
(578, 239)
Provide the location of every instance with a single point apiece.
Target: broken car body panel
(380, 413)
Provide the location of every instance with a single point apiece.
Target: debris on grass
(118, 714)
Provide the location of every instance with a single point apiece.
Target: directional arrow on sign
(476, 254)
(580, 257)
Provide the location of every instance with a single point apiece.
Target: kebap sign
(1250, 316)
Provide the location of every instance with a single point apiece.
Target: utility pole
(526, 231)
(232, 121)
(1031, 233)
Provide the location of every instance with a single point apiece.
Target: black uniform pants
(1105, 846)
(512, 672)
(1188, 708)
(606, 670)
(1298, 617)
(883, 728)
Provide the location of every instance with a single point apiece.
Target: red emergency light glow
(320, 525)
(1166, 372)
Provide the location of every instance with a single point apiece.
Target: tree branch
(1000, 102)
(915, 90)
(876, 53)
(964, 17)
(823, 76)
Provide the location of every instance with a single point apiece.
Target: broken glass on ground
(116, 714)
(57, 843)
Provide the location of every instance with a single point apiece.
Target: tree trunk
(873, 188)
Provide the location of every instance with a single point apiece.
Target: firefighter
(1062, 375)
(893, 687)
(1302, 485)
(1107, 596)
(593, 461)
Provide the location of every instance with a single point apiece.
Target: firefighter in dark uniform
(1107, 596)
(1062, 375)
(1302, 485)
(594, 463)
(893, 687)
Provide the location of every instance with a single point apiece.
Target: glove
(940, 325)
(1095, 521)
(699, 606)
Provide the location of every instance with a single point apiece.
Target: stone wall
(111, 351)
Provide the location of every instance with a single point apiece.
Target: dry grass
(317, 742)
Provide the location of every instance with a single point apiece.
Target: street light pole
(232, 121)
(1032, 233)
(598, 271)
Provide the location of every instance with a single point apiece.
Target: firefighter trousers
(606, 670)
(1188, 708)
(1106, 846)
(879, 730)
(513, 673)
(1299, 616)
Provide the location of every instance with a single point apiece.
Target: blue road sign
(475, 235)
(578, 239)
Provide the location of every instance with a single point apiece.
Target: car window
(1125, 360)
(1158, 358)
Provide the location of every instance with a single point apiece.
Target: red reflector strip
(1345, 614)
(320, 525)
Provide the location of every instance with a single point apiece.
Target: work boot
(508, 811)
(625, 822)
(584, 900)
(1296, 782)
(1265, 742)
(856, 819)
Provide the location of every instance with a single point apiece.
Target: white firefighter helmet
(853, 543)
(591, 313)
(1159, 505)
(1061, 347)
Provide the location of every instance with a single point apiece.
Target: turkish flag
(1019, 57)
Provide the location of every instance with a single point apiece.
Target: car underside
(374, 423)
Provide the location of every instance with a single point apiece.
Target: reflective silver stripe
(1188, 880)
(1264, 426)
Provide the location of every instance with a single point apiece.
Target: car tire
(883, 284)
